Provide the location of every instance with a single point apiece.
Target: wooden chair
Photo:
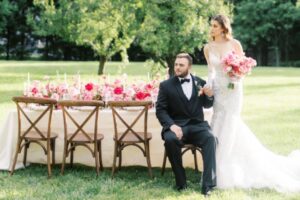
(80, 137)
(185, 148)
(130, 136)
(33, 134)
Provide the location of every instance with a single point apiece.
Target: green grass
(271, 109)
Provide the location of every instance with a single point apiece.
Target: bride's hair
(225, 24)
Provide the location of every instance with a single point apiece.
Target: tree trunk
(102, 61)
(257, 51)
(286, 48)
(46, 48)
(67, 51)
(264, 54)
(22, 52)
(7, 44)
(277, 56)
(170, 62)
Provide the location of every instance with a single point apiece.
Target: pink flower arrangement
(236, 67)
(116, 90)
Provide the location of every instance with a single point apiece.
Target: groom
(179, 109)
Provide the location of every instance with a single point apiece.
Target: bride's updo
(225, 24)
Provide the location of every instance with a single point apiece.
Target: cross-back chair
(130, 136)
(81, 137)
(185, 148)
(34, 134)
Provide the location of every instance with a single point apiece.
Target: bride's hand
(208, 91)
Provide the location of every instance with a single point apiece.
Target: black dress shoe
(207, 191)
(181, 188)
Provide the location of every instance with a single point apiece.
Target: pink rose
(118, 90)
(34, 90)
(89, 86)
(148, 86)
(141, 95)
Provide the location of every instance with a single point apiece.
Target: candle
(28, 78)
(79, 81)
(25, 89)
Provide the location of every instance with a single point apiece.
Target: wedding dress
(242, 161)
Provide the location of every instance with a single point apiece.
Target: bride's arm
(211, 70)
(238, 47)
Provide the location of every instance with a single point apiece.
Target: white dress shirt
(187, 87)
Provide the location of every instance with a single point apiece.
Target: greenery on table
(271, 109)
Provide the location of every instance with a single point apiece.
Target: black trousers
(198, 134)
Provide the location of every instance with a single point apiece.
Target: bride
(242, 161)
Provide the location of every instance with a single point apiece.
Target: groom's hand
(177, 130)
(208, 91)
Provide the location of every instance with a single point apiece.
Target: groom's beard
(183, 74)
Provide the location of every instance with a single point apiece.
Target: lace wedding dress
(242, 161)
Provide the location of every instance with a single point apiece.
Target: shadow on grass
(127, 183)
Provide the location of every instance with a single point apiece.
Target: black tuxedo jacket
(172, 106)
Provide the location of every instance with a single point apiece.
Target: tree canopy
(108, 27)
(171, 27)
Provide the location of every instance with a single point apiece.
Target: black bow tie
(184, 80)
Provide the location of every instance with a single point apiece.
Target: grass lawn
(271, 109)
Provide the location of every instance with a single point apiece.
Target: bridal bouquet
(236, 67)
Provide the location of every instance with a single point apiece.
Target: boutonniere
(199, 88)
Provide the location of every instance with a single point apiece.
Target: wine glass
(154, 99)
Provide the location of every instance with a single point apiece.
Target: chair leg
(147, 148)
(120, 157)
(195, 160)
(100, 155)
(96, 154)
(115, 160)
(72, 148)
(49, 158)
(16, 157)
(164, 163)
(26, 146)
(53, 150)
(64, 157)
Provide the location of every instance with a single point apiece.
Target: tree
(262, 25)
(13, 27)
(6, 8)
(107, 26)
(174, 26)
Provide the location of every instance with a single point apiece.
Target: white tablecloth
(131, 155)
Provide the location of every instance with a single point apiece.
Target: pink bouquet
(236, 67)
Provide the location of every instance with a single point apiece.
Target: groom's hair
(187, 56)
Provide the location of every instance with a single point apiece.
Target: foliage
(264, 24)
(106, 26)
(13, 28)
(171, 27)
(6, 8)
